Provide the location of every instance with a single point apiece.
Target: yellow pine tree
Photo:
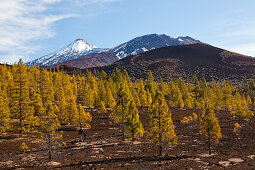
(196, 89)
(209, 125)
(4, 110)
(218, 95)
(240, 107)
(110, 102)
(133, 124)
(88, 96)
(46, 87)
(20, 103)
(142, 94)
(148, 98)
(121, 108)
(71, 112)
(160, 126)
(249, 102)
(37, 103)
(177, 98)
(101, 107)
(49, 124)
(161, 86)
(237, 129)
(74, 86)
(133, 94)
(185, 93)
(227, 95)
(101, 90)
(61, 103)
(150, 84)
(84, 118)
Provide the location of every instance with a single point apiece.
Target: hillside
(185, 61)
(92, 60)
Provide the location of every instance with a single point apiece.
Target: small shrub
(24, 146)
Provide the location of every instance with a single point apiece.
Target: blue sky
(30, 29)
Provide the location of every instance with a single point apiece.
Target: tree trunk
(123, 130)
(160, 150)
(20, 108)
(49, 148)
(122, 120)
(209, 145)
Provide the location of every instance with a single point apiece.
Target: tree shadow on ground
(129, 159)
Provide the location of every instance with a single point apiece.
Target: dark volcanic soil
(105, 150)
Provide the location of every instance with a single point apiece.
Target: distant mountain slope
(149, 42)
(92, 60)
(185, 61)
(72, 51)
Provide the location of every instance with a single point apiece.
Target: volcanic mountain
(149, 42)
(81, 54)
(186, 60)
(72, 51)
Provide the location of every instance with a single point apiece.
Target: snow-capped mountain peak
(81, 45)
(72, 51)
(149, 42)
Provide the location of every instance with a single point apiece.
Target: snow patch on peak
(81, 45)
(72, 51)
(179, 39)
(144, 49)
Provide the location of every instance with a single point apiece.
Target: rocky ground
(105, 149)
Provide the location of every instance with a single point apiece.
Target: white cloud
(236, 34)
(91, 2)
(23, 21)
(247, 49)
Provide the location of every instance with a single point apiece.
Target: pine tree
(209, 125)
(249, 102)
(240, 107)
(121, 107)
(37, 103)
(110, 102)
(20, 103)
(177, 98)
(148, 98)
(46, 87)
(185, 93)
(49, 124)
(133, 124)
(88, 96)
(227, 95)
(62, 105)
(150, 84)
(71, 108)
(142, 93)
(101, 90)
(196, 89)
(101, 107)
(4, 110)
(84, 118)
(160, 126)
(237, 129)
(161, 86)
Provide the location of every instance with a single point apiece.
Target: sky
(30, 29)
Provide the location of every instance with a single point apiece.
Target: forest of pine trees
(36, 100)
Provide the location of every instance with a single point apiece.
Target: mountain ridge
(79, 49)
